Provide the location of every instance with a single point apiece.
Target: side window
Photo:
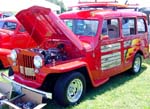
(111, 28)
(10, 26)
(128, 26)
(141, 27)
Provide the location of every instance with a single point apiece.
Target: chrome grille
(26, 66)
(26, 61)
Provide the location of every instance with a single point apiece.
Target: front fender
(69, 66)
(63, 68)
(3, 57)
(59, 69)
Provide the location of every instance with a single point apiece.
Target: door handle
(120, 40)
(110, 46)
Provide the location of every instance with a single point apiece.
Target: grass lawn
(123, 91)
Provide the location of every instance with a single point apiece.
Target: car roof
(100, 13)
(11, 18)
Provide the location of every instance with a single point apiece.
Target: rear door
(130, 38)
(134, 32)
(111, 52)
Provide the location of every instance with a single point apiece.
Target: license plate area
(27, 71)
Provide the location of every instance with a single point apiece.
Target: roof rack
(104, 5)
(99, 5)
(97, 1)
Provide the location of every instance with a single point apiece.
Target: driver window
(110, 28)
(113, 28)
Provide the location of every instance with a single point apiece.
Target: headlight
(38, 62)
(13, 55)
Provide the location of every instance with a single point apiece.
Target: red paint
(11, 38)
(83, 51)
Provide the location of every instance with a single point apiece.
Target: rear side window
(141, 27)
(128, 26)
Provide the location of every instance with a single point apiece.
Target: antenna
(126, 2)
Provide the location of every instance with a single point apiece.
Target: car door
(111, 44)
(130, 39)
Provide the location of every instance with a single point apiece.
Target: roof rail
(113, 5)
(99, 5)
(97, 1)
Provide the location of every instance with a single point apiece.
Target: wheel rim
(75, 90)
(137, 64)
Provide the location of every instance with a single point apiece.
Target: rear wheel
(136, 66)
(69, 88)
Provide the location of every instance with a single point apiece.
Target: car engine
(52, 54)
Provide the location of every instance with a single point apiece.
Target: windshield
(8, 25)
(82, 27)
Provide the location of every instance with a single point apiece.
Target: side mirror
(105, 37)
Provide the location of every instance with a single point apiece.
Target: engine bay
(52, 54)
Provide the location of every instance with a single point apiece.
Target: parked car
(146, 10)
(77, 49)
(12, 35)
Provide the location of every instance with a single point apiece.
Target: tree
(60, 3)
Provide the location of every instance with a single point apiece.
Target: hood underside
(42, 24)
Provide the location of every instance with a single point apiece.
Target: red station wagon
(12, 35)
(77, 49)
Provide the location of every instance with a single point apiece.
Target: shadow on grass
(147, 61)
(112, 84)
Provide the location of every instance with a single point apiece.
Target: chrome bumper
(10, 79)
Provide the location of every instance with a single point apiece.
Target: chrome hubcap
(137, 64)
(74, 90)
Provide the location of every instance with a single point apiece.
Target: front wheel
(136, 66)
(69, 88)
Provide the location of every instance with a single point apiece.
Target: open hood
(42, 24)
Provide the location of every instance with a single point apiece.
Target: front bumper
(17, 87)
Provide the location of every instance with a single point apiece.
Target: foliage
(60, 3)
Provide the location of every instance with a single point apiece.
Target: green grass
(122, 91)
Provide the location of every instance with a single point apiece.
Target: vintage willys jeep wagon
(77, 49)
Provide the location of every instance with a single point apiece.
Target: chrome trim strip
(110, 47)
